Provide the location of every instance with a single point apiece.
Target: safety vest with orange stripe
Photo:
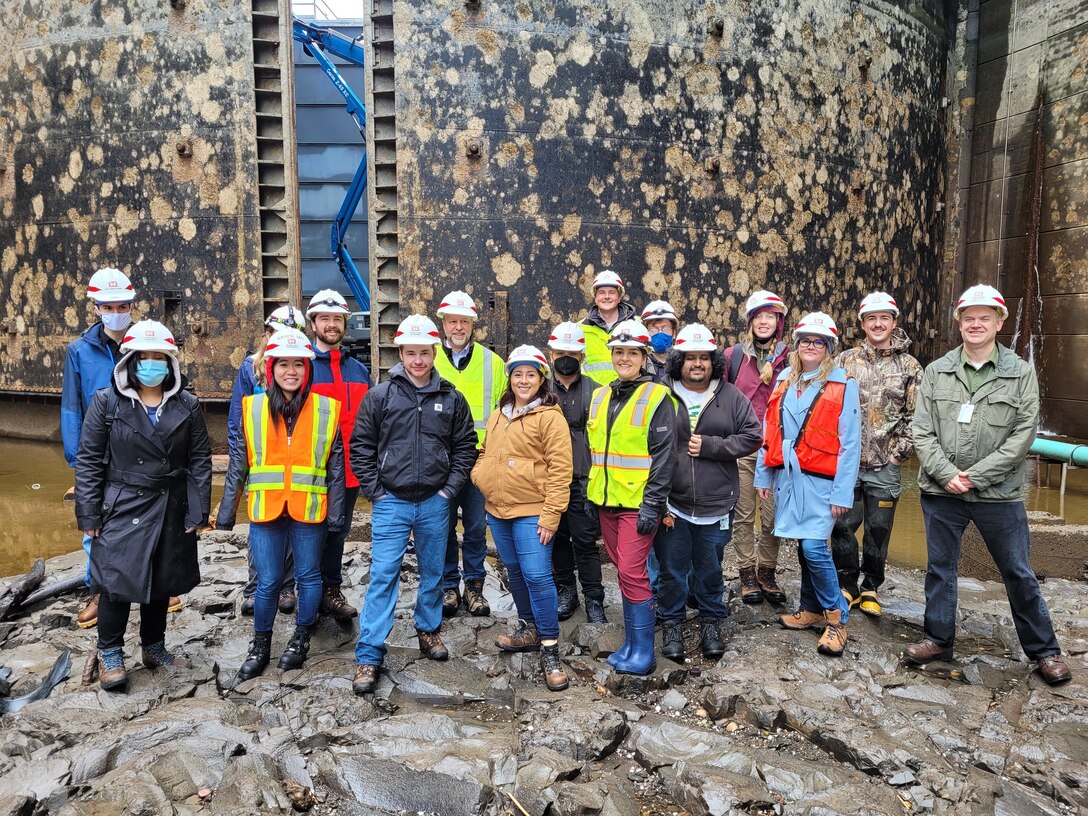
(817, 445)
(289, 471)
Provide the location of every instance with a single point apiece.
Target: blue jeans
(819, 581)
(474, 541)
(269, 542)
(690, 556)
(332, 557)
(87, 549)
(1004, 528)
(529, 567)
(394, 521)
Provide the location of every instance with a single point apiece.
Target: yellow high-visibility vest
(620, 455)
(290, 471)
(482, 383)
(598, 363)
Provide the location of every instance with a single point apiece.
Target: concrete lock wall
(702, 150)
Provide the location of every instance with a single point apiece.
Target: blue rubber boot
(641, 659)
(622, 653)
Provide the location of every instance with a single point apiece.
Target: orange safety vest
(817, 445)
(289, 471)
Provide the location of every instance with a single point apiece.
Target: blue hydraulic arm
(316, 41)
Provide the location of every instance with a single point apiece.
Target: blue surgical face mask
(116, 321)
(152, 372)
(661, 341)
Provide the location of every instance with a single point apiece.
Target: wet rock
(545, 767)
(674, 700)
(703, 790)
(252, 782)
(577, 800)
(40, 779)
(16, 805)
(720, 701)
(598, 639)
(578, 730)
(382, 783)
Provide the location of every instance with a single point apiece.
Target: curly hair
(674, 364)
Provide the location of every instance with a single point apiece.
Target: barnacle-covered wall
(700, 149)
(129, 138)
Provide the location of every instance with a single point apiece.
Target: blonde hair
(258, 362)
(823, 372)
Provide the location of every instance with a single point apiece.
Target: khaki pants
(752, 551)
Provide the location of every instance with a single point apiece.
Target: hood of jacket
(626, 312)
(130, 390)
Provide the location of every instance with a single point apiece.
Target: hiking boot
(555, 676)
(256, 661)
(1053, 669)
(286, 602)
(366, 678)
(750, 592)
(431, 645)
(595, 611)
(926, 651)
(111, 668)
(710, 639)
(853, 597)
(523, 639)
(334, 603)
(249, 603)
(156, 656)
(769, 585)
(89, 616)
(801, 619)
(475, 602)
(833, 640)
(298, 647)
(869, 604)
(175, 604)
(672, 641)
(568, 601)
(451, 599)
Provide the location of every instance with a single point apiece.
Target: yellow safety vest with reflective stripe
(598, 363)
(620, 455)
(289, 472)
(482, 383)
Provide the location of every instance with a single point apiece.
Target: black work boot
(672, 641)
(257, 659)
(297, 649)
(710, 640)
(568, 601)
(595, 610)
(451, 599)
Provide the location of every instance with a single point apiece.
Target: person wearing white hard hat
(887, 377)
(524, 472)
(975, 420)
(661, 324)
(413, 449)
(716, 426)
(345, 379)
(574, 547)
(251, 379)
(143, 487)
(291, 467)
(753, 365)
(608, 310)
(810, 454)
(477, 372)
(631, 431)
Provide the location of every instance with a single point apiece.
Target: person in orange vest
(810, 456)
(292, 465)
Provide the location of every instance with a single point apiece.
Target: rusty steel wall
(127, 138)
(700, 149)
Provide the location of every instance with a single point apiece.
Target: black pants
(113, 620)
(876, 494)
(575, 544)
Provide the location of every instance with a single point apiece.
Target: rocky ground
(770, 728)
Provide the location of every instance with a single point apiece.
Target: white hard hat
(528, 355)
(289, 343)
(457, 304)
(285, 317)
(660, 310)
(878, 302)
(817, 323)
(416, 330)
(149, 335)
(568, 336)
(629, 334)
(606, 277)
(982, 295)
(761, 299)
(110, 285)
(327, 301)
(695, 337)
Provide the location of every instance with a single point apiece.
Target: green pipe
(1071, 452)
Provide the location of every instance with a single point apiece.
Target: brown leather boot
(175, 604)
(111, 668)
(750, 592)
(801, 619)
(555, 676)
(431, 645)
(366, 678)
(334, 603)
(475, 600)
(833, 640)
(89, 616)
(286, 602)
(523, 639)
(451, 599)
(769, 584)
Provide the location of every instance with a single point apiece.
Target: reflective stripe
(597, 367)
(642, 400)
(489, 406)
(479, 425)
(625, 462)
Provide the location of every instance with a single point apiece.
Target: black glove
(647, 521)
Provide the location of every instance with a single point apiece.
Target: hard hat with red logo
(530, 356)
(878, 302)
(457, 304)
(982, 295)
(606, 277)
(285, 317)
(567, 336)
(327, 301)
(660, 310)
(762, 299)
(149, 335)
(110, 285)
(818, 324)
(629, 334)
(289, 343)
(695, 337)
(416, 330)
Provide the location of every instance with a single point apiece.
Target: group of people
(634, 430)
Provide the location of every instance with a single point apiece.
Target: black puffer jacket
(413, 442)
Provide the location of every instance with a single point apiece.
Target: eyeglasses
(812, 342)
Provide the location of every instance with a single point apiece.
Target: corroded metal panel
(129, 136)
(700, 149)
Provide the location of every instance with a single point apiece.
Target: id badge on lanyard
(967, 410)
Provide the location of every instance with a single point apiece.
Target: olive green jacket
(992, 448)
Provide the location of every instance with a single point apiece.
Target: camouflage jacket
(888, 384)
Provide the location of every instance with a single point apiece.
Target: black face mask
(566, 366)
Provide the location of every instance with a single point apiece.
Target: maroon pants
(628, 551)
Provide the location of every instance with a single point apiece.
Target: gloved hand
(647, 521)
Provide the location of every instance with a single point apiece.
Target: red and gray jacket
(345, 379)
